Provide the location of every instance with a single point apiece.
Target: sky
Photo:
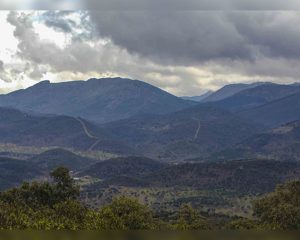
(185, 52)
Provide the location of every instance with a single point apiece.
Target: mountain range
(126, 137)
(198, 98)
(98, 100)
(155, 124)
(200, 130)
(256, 96)
(229, 90)
(196, 131)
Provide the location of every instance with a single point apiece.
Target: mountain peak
(100, 100)
(43, 82)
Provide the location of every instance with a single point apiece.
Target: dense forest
(55, 204)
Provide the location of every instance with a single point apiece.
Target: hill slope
(13, 172)
(128, 166)
(193, 132)
(100, 100)
(256, 96)
(196, 131)
(229, 90)
(54, 131)
(282, 143)
(49, 160)
(238, 177)
(252, 176)
(277, 112)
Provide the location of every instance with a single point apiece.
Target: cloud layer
(185, 52)
(150, 5)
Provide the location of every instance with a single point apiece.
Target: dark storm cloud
(78, 56)
(275, 34)
(183, 52)
(58, 21)
(191, 4)
(195, 36)
(177, 37)
(151, 4)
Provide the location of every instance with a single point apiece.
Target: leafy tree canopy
(280, 209)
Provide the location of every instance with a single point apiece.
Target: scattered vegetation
(56, 205)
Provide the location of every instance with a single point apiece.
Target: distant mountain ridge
(198, 98)
(188, 133)
(196, 131)
(229, 90)
(256, 96)
(99, 100)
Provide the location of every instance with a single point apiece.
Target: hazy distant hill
(196, 131)
(21, 128)
(13, 172)
(229, 90)
(193, 132)
(198, 98)
(257, 96)
(282, 143)
(55, 131)
(100, 100)
(128, 166)
(49, 160)
(277, 112)
(249, 176)
(241, 177)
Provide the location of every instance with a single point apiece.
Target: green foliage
(242, 224)
(64, 186)
(280, 209)
(44, 194)
(190, 219)
(56, 205)
(43, 205)
(124, 214)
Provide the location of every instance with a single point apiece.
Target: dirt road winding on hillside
(90, 135)
(198, 128)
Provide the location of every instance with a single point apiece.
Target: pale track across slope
(90, 135)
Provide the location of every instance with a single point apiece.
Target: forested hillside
(55, 205)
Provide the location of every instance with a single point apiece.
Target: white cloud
(37, 49)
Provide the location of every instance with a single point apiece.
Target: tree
(37, 194)
(280, 209)
(242, 224)
(190, 219)
(124, 214)
(64, 185)
(43, 205)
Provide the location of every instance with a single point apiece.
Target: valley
(210, 154)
